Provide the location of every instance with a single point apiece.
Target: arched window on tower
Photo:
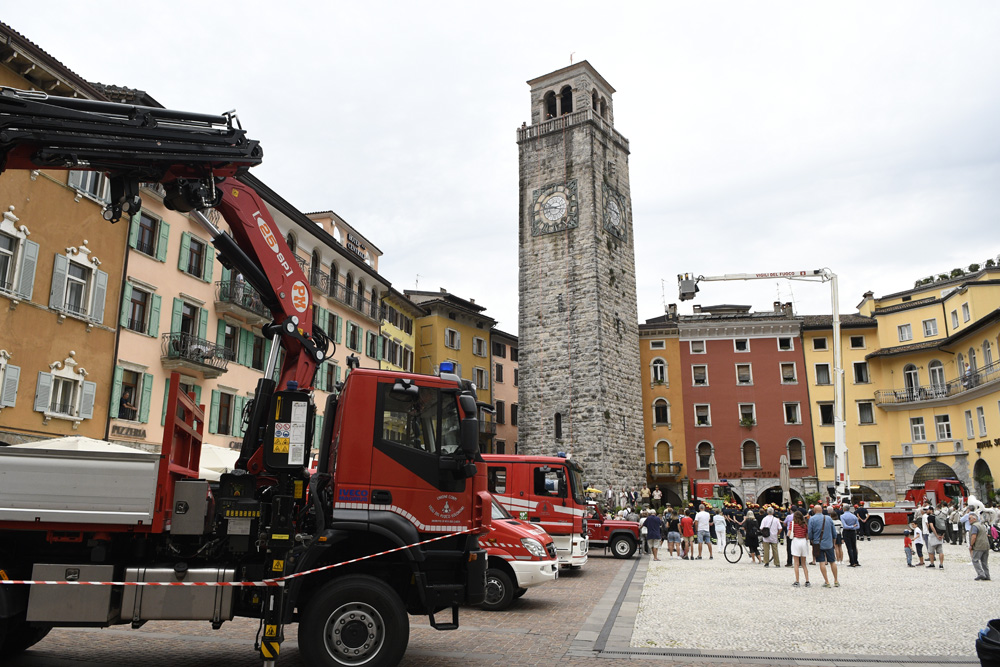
(604, 109)
(595, 102)
(658, 371)
(663, 453)
(661, 412)
(549, 105)
(567, 100)
(558, 425)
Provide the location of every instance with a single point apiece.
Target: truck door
(549, 490)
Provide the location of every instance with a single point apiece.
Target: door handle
(381, 497)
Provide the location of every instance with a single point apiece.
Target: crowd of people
(823, 535)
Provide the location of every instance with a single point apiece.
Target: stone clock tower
(578, 329)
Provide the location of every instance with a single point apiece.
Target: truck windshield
(427, 422)
(955, 491)
(576, 481)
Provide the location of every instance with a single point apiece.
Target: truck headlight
(534, 547)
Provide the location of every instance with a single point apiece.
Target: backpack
(941, 523)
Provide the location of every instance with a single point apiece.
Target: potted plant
(747, 422)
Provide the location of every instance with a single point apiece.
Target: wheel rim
(354, 633)
(622, 547)
(494, 590)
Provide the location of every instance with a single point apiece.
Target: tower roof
(566, 72)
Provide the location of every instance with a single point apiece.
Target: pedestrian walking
(687, 535)
(719, 521)
(800, 546)
(838, 527)
(937, 523)
(849, 527)
(908, 548)
(654, 528)
(821, 534)
(702, 519)
(979, 548)
(925, 520)
(673, 534)
(751, 539)
(789, 521)
(770, 528)
(918, 541)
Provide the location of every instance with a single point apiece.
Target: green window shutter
(166, 394)
(147, 397)
(116, 392)
(133, 230)
(318, 432)
(197, 394)
(203, 326)
(336, 373)
(213, 418)
(209, 263)
(185, 254)
(226, 275)
(161, 245)
(175, 317)
(337, 327)
(126, 303)
(220, 337)
(381, 343)
(237, 415)
(154, 316)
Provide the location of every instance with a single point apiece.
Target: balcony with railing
(968, 386)
(665, 469)
(569, 120)
(237, 298)
(367, 307)
(319, 280)
(181, 351)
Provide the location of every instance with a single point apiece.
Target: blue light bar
(446, 367)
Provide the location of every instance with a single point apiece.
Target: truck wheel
(355, 621)
(519, 592)
(499, 590)
(16, 636)
(622, 546)
(875, 525)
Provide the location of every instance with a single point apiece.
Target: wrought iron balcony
(181, 350)
(358, 302)
(487, 427)
(939, 392)
(320, 280)
(664, 469)
(236, 294)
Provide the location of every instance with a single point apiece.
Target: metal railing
(137, 325)
(354, 300)
(194, 349)
(320, 280)
(240, 294)
(63, 409)
(933, 392)
(490, 428)
(146, 248)
(569, 120)
(665, 468)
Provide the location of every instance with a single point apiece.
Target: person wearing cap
(862, 514)
(849, 525)
(979, 548)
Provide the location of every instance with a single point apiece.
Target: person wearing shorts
(821, 534)
(673, 534)
(800, 546)
(654, 533)
(702, 520)
(687, 536)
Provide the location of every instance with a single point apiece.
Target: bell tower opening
(566, 97)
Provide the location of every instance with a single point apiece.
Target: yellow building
(866, 424)
(399, 339)
(456, 330)
(940, 383)
(662, 406)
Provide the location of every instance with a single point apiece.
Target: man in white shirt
(773, 525)
(701, 521)
(719, 520)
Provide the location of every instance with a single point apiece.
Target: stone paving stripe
(794, 659)
(602, 639)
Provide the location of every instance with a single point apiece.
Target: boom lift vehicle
(387, 525)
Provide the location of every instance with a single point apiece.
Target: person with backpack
(979, 548)
(937, 523)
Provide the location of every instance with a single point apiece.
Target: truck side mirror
(470, 437)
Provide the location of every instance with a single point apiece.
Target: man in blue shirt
(850, 524)
(821, 532)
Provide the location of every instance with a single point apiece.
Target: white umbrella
(713, 469)
(79, 443)
(785, 479)
(216, 460)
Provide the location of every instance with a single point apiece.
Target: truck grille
(550, 549)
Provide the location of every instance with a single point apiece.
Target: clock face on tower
(615, 213)
(555, 208)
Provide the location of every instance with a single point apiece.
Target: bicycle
(735, 548)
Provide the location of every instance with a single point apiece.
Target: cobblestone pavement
(883, 605)
(587, 617)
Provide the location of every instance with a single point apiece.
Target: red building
(746, 399)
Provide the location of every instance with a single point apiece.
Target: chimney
(697, 309)
(472, 300)
(672, 311)
(787, 309)
(443, 290)
(867, 295)
(777, 307)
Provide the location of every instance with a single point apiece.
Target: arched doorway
(670, 496)
(932, 470)
(773, 495)
(982, 478)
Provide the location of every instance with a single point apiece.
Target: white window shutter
(87, 400)
(100, 292)
(43, 391)
(57, 294)
(26, 274)
(8, 393)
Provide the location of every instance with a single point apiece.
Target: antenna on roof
(417, 282)
(571, 57)
(663, 293)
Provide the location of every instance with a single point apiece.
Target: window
(481, 378)
(8, 248)
(498, 373)
(917, 433)
(857, 342)
(661, 412)
(784, 343)
(954, 319)
(63, 393)
(353, 336)
(63, 400)
(970, 429)
(751, 454)
(966, 315)
(10, 377)
(930, 328)
(78, 287)
(699, 375)
(741, 344)
(823, 374)
(819, 343)
(259, 355)
(788, 373)
(748, 415)
(428, 424)
(128, 401)
(91, 183)
(981, 416)
(987, 354)
(905, 332)
(704, 455)
(792, 413)
(479, 346)
(657, 344)
(550, 481)
(744, 374)
(371, 344)
(870, 452)
(829, 453)
(942, 423)
(826, 414)
(861, 372)
(516, 374)
(697, 346)
(796, 453)
(659, 371)
(138, 310)
(663, 452)
(496, 479)
(452, 339)
(866, 412)
(558, 425)
(499, 350)
(149, 235)
(501, 447)
(936, 371)
(225, 414)
(500, 412)
(196, 257)
(513, 414)
(513, 357)
(702, 415)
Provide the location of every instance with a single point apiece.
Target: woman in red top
(687, 535)
(800, 546)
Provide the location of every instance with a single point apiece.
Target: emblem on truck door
(446, 507)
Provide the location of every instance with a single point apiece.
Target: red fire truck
(521, 556)
(934, 491)
(387, 525)
(547, 490)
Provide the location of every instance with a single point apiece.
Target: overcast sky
(766, 136)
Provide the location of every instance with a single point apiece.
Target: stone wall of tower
(578, 327)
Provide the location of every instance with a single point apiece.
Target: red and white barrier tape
(278, 581)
